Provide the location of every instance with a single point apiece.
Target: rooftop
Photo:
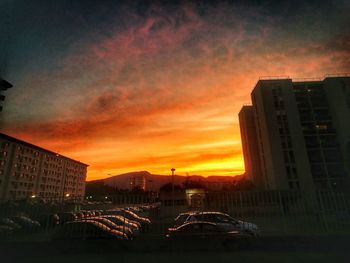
(15, 140)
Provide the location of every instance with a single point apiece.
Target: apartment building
(250, 145)
(302, 134)
(29, 171)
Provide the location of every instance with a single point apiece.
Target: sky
(150, 85)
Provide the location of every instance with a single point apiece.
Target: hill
(154, 181)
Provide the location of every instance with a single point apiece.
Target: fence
(275, 212)
(286, 212)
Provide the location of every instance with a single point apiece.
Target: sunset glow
(159, 89)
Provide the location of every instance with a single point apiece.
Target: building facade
(29, 171)
(302, 130)
(138, 182)
(250, 145)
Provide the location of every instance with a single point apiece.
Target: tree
(168, 187)
(98, 188)
(244, 185)
(192, 184)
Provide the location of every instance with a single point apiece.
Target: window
(312, 142)
(294, 171)
(291, 156)
(318, 170)
(315, 156)
(332, 155)
(285, 155)
(328, 140)
(222, 218)
(291, 185)
(335, 170)
(289, 174)
(321, 127)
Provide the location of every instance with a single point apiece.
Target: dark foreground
(269, 249)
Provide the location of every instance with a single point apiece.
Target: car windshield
(181, 218)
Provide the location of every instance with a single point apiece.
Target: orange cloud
(163, 93)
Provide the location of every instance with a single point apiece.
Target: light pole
(172, 185)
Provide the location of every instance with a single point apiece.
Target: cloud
(156, 87)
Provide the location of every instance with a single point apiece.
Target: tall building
(302, 130)
(27, 170)
(138, 182)
(250, 145)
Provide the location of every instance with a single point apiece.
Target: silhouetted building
(27, 170)
(4, 85)
(138, 182)
(250, 145)
(302, 130)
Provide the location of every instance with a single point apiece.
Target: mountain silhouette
(155, 181)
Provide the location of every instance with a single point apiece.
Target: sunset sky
(143, 85)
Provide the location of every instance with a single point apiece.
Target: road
(271, 249)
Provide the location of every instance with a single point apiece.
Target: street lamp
(172, 185)
(172, 178)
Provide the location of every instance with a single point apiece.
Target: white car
(223, 220)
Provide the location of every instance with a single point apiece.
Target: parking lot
(141, 234)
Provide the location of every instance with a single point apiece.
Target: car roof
(197, 222)
(208, 213)
(185, 214)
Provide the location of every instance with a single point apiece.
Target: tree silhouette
(192, 184)
(168, 187)
(244, 185)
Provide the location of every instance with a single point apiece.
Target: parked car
(98, 213)
(181, 219)
(10, 223)
(133, 216)
(79, 215)
(86, 214)
(124, 229)
(67, 217)
(120, 214)
(48, 220)
(86, 229)
(122, 221)
(26, 223)
(222, 219)
(199, 235)
(6, 230)
(144, 222)
(142, 211)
